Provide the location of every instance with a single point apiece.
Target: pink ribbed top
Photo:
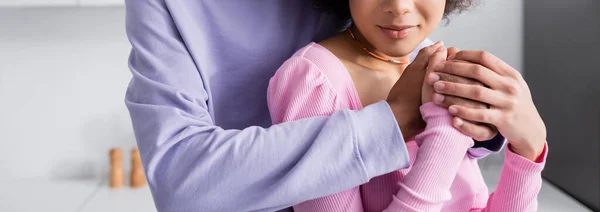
(441, 176)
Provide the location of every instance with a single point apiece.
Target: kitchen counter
(90, 196)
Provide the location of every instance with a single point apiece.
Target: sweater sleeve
(193, 164)
(519, 185)
(300, 90)
(442, 149)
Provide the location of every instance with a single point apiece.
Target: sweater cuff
(522, 164)
(482, 149)
(433, 112)
(379, 141)
(437, 118)
(442, 117)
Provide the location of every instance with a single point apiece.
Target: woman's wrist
(408, 118)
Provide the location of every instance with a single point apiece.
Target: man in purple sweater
(197, 100)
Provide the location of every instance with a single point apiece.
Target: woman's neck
(373, 78)
(359, 41)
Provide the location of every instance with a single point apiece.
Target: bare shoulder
(339, 46)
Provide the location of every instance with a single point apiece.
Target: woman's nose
(397, 7)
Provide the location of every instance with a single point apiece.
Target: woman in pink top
(360, 66)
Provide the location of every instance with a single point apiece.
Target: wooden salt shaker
(137, 171)
(117, 175)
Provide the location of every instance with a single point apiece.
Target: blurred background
(63, 75)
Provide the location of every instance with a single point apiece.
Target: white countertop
(124, 199)
(550, 199)
(44, 195)
(90, 196)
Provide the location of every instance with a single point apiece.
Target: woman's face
(396, 27)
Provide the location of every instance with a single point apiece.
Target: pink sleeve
(300, 90)
(442, 149)
(519, 185)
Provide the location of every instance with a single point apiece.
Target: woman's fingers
(487, 116)
(436, 58)
(452, 51)
(422, 59)
(472, 92)
(477, 131)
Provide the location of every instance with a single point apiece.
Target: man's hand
(478, 131)
(406, 96)
(511, 106)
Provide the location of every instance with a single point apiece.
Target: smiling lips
(397, 31)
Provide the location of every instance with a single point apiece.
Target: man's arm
(193, 165)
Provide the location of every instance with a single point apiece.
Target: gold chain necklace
(373, 54)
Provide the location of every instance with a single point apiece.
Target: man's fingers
(447, 101)
(472, 71)
(477, 131)
(488, 60)
(472, 92)
(439, 76)
(486, 116)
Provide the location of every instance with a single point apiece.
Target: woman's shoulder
(318, 55)
(314, 67)
(316, 59)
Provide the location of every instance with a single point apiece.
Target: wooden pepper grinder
(137, 171)
(117, 175)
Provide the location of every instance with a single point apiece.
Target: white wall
(63, 75)
(494, 25)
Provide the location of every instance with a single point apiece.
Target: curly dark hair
(341, 8)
